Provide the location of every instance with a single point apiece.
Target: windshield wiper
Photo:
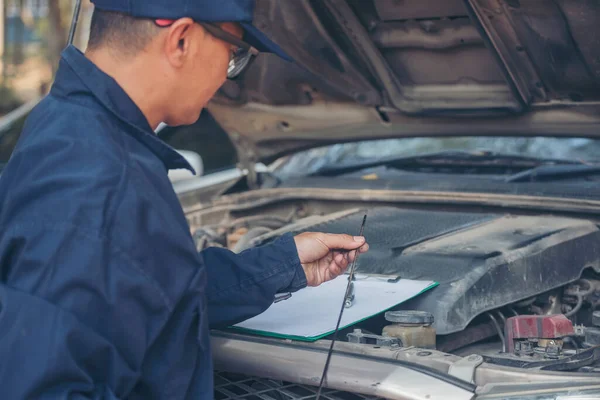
(445, 159)
(554, 172)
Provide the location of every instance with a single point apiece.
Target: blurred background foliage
(32, 35)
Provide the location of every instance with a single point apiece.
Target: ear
(177, 43)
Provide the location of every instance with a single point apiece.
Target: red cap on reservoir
(536, 326)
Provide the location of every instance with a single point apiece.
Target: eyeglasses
(239, 60)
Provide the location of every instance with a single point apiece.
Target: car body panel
(382, 68)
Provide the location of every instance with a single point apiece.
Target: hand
(326, 256)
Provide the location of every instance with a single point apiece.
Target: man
(103, 295)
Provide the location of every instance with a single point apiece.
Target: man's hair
(122, 32)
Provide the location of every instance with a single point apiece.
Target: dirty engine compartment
(517, 259)
(519, 290)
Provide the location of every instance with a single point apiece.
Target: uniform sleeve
(76, 316)
(241, 286)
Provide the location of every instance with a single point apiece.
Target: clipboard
(311, 314)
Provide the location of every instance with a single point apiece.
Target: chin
(187, 119)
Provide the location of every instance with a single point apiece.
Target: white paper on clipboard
(312, 313)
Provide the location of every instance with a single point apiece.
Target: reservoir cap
(409, 317)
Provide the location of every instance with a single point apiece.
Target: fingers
(343, 242)
(341, 259)
(350, 256)
(337, 266)
(327, 256)
(353, 254)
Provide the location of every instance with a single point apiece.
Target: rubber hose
(244, 242)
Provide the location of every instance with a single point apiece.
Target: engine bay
(518, 290)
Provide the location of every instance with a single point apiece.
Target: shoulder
(73, 184)
(85, 125)
(68, 166)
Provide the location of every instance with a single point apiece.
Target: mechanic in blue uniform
(102, 292)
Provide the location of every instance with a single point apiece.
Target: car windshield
(312, 161)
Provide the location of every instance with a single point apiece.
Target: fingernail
(359, 239)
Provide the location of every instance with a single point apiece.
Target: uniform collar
(77, 73)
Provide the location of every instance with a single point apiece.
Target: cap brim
(261, 42)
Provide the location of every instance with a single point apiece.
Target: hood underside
(392, 68)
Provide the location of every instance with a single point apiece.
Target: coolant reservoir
(413, 328)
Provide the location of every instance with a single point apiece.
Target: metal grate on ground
(233, 386)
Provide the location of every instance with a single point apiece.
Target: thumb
(343, 242)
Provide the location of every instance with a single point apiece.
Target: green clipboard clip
(349, 300)
(385, 277)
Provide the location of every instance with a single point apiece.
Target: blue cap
(241, 11)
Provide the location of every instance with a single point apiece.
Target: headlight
(542, 392)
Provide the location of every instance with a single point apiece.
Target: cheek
(205, 77)
(220, 74)
(221, 63)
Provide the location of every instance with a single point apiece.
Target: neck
(134, 77)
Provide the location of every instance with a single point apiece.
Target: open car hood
(368, 69)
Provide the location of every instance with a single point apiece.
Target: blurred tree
(19, 39)
(3, 8)
(60, 15)
(58, 31)
(33, 34)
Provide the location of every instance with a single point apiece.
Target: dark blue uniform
(102, 293)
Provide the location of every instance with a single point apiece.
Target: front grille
(233, 386)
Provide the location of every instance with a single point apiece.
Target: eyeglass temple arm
(226, 36)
